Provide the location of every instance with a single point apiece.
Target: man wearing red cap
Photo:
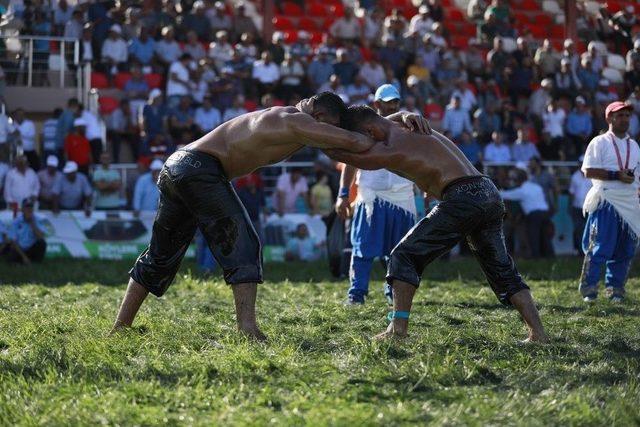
(613, 226)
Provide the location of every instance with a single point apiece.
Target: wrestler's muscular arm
(602, 174)
(323, 135)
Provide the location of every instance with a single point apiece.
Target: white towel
(625, 201)
(400, 196)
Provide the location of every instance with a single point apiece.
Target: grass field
(183, 363)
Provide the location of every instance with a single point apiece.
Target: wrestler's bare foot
(396, 329)
(253, 332)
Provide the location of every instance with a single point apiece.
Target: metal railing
(35, 60)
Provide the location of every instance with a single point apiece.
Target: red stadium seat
(614, 6)
(154, 80)
(121, 80)
(282, 23)
(447, 3)
(317, 10)
(529, 5)
(521, 18)
(468, 29)
(291, 9)
(290, 36)
(99, 80)
(53, 46)
(336, 10)
(409, 12)
(107, 104)
(538, 32)
(278, 102)
(316, 37)
(307, 24)
(327, 24)
(557, 32)
(433, 112)
(460, 42)
(455, 15)
(542, 19)
(250, 105)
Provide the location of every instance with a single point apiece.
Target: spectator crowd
(504, 96)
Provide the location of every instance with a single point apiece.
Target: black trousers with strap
(471, 209)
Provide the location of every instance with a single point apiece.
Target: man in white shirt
(27, 131)
(289, 187)
(93, 132)
(467, 98)
(167, 49)
(20, 183)
(536, 210)
(207, 117)
(422, 22)
(266, 73)
(613, 225)
(385, 210)
(347, 27)
(114, 50)
(497, 151)
(179, 83)
(578, 189)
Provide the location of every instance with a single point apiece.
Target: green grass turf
(184, 364)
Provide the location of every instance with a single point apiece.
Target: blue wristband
(344, 192)
(612, 175)
(398, 315)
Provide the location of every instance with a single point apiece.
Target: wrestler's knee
(401, 266)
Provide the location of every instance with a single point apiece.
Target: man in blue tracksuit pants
(385, 209)
(611, 233)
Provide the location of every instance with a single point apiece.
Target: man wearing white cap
(385, 209)
(48, 178)
(72, 191)
(146, 193)
(613, 225)
(114, 50)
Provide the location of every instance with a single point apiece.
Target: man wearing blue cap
(385, 209)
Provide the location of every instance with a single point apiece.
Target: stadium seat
(316, 37)
(522, 18)
(433, 112)
(307, 24)
(468, 29)
(557, 32)
(459, 42)
(121, 80)
(154, 80)
(281, 23)
(538, 32)
(316, 10)
(54, 46)
(107, 104)
(613, 75)
(542, 20)
(99, 80)
(336, 10)
(290, 36)
(455, 15)
(291, 9)
(616, 61)
(327, 24)
(278, 102)
(250, 105)
(529, 5)
(614, 6)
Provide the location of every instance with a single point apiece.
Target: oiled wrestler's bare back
(431, 161)
(269, 136)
